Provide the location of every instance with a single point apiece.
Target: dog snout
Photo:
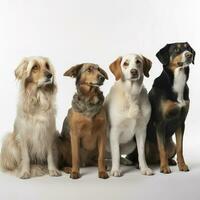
(134, 72)
(48, 75)
(188, 55)
(101, 78)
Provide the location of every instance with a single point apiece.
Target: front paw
(147, 171)
(165, 169)
(75, 175)
(183, 168)
(55, 172)
(103, 175)
(25, 175)
(116, 173)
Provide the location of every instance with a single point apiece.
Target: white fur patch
(179, 84)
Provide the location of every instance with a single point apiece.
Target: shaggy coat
(34, 134)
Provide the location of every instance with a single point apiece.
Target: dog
(128, 110)
(32, 141)
(83, 137)
(169, 99)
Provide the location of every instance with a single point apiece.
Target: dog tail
(10, 158)
(10, 153)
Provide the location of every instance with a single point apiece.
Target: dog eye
(176, 50)
(35, 68)
(138, 62)
(126, 63)
(47, 66)
(89, 69)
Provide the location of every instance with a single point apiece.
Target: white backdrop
(75, 31)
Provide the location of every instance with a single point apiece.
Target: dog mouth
(95, 84)
(134, 77)
(187, 62)
(48, 81)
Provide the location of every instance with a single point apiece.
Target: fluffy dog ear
(73, 71)
(146, 66)
(103, 73)
(163, 55)
(115, 68)
(21, 69)
(192, 51)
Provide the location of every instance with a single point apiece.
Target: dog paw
(116, 173)
(75, 175)
(147, 171)
(67, 170)
(165, 170)
(25, 175)
(54, 172)
(183, 168)
(103, 175)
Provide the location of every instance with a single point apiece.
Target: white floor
(132, 185)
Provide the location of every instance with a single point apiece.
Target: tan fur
(87, 138)
(174, 62)
(147, 64)
(33, 138)
(115, 68)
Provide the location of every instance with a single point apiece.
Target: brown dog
(83, 137)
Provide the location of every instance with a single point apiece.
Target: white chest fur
(179, 84)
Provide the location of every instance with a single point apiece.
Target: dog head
(131, 67)
(176, 55)
(87, 74)
(37, 71)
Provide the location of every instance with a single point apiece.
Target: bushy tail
(10, 158)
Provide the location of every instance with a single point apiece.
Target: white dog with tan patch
(33, 138)
(128, 110)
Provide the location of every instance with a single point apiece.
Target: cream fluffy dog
(128, 110)
(32, 140)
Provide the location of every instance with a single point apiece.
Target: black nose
(188, 55)
(101, 78)
(134, 72)
(49, 75)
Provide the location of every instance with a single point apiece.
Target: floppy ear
(103, 73)
(146, 66)
(21, 69)
(115, 68)
(73, 71)
(163, 55)
(192, 51)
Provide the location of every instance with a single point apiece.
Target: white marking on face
(131, 66)
(184, 58)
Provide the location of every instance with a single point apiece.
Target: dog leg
(114, 143)
(179, 149)
(75, 143)
(53, 171)
(101, 159)
(140, 139)
(164, 166)
(25, 163)
(126, 149)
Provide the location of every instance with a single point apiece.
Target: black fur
(162, 90)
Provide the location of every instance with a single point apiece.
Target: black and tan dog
(83, 137)
(169, 99)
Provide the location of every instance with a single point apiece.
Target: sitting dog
(128, 110)
(169, 99)
(83, 137)
(34, 134)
